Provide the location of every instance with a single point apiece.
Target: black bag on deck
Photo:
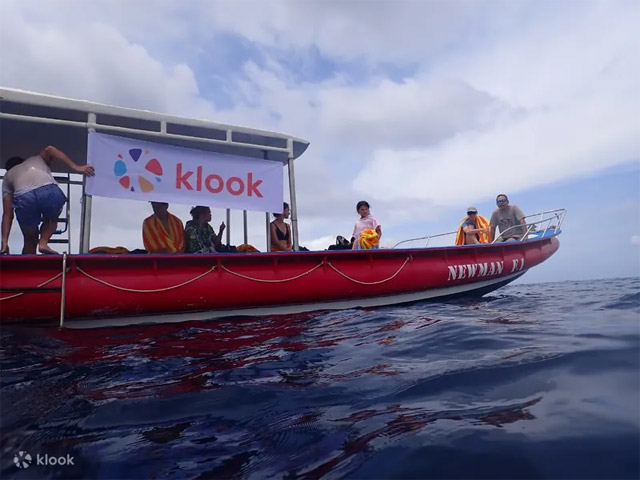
(341, 244)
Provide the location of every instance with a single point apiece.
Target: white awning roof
(31, 121)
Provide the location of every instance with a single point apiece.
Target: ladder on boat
(62, 235)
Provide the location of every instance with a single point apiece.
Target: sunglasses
(500, 202)
(472, 213)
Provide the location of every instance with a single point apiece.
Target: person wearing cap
(473, 229)
(508, 219)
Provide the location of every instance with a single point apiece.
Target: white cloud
(93, 61)
(385, 31)
(575, 107)
(532, 151)
(417, 112)
(533, 104)
(500, 96)
(635, 240)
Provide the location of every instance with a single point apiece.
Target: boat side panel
(132, 285)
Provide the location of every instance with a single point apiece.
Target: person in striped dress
(163, 232)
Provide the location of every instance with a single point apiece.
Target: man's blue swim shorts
(42, 203)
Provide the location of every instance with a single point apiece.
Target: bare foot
(47, 250)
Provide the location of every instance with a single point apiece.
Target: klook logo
(216, 184)
(23, 460)
(136, 163)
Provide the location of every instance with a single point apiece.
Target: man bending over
(30, 190)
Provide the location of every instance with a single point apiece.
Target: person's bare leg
(30, 235)
(47, 229)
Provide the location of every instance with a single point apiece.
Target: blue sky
(421, 107)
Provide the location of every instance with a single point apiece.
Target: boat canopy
(30, 121)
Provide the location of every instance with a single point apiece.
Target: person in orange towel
(473, 229)
(163, 232)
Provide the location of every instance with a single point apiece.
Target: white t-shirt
(363, 224)
(31, 174)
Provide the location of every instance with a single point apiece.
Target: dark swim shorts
(43, 203)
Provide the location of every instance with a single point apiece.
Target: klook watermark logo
(22, 459)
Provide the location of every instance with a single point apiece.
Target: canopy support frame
(292, 196)
(98, 118)
(87, 200)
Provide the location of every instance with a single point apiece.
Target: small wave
(629, 301)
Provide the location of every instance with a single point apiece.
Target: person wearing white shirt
(30, 190)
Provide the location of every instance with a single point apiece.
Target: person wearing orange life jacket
(473, 229)
(163, 232)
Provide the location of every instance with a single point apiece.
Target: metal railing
(427, 238)
(549, 221)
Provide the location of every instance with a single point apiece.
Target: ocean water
(536, 381)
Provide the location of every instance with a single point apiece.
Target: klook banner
(138, 170)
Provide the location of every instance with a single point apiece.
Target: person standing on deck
(163, 232)
(30, 190)
(505, 217)
(366, 221)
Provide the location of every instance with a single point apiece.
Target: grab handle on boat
(63, 289)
